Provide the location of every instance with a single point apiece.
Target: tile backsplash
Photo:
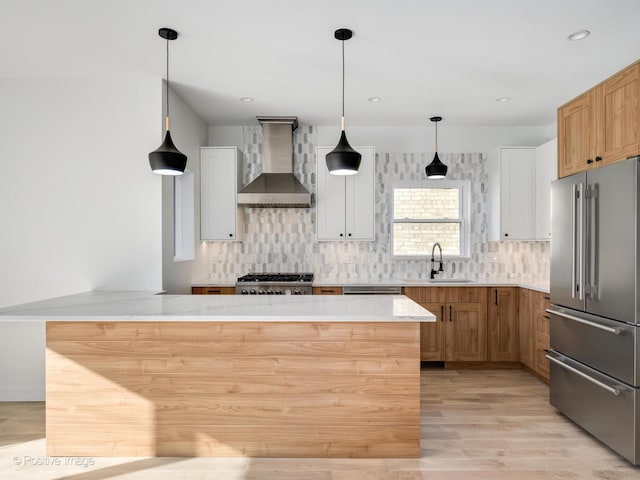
(284, 240)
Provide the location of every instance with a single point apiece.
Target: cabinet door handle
(231, 235)
(547, 297)
(213, 290)
(450, 313)
(342, 235)
(327, 290)
(598, 159)
(496, 296)
(442, 313)
(506, 234)
(589, 161)
(349, 234)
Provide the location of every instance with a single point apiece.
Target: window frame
(464, 189)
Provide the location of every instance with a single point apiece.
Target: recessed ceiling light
(503, 99)
(579, 35)
(246, 99)
(374, 99)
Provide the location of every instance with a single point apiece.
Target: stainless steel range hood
(277, 186)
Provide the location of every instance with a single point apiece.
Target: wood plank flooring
(476, 425)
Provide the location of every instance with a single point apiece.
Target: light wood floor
(476, 425)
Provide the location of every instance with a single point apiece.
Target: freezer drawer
(602, 406)
(606, 345)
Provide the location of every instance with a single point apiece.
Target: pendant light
(167, 159)
(343, 160)
(436, 169)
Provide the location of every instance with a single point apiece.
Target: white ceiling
(422, 57)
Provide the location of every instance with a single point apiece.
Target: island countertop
(119, 306)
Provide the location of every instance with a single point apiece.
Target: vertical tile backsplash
(284, 239)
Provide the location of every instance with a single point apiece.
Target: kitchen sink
(437, 280)
(451, 280)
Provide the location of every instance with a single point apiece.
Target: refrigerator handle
(612, 390)
(574, 202)
(581, 235)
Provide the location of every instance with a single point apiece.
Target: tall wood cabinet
(503, 324)
(602, 125)
(345, 205)
(460, 332)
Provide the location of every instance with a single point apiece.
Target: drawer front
(606, 345)
(610, 418)
(327, 290)
(213, 290)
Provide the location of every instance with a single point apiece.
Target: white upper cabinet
(220, 180)
(546, 172)
(345, 205)
(511, 192)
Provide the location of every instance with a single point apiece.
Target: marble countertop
(148, 306)
(541, 286)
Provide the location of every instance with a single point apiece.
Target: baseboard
(536, 374)
(481, 365)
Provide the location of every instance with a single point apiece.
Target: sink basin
(451, 280)
(437, 280)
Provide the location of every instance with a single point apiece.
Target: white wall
(189, 132)
(79, 206)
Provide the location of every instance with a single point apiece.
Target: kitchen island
(137, 374)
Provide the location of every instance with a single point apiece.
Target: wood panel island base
(226, 389)
(211, 376)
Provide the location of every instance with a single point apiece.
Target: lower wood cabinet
(460, 332)
(525, 328)
(327, 290)
(213, 290)
(541, 322)
(503, 324)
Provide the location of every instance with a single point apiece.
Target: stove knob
(297, 292)
(261, 292)
(252, 292)
(278, 292)
(270, 292)
(244, 291)
(287, 292)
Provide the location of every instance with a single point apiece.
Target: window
(428, 212)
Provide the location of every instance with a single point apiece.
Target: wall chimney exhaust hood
(277, 186)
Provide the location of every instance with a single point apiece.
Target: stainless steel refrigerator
(595, 356)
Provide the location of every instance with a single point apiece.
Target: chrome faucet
(434, 272)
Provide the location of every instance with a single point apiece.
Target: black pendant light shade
(343, 160)
(436, 169)
(167, 159)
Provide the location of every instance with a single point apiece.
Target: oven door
(372, 290)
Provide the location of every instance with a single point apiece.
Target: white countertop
(147, 306)
(541, 286)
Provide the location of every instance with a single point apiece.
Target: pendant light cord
(436, 136)
(167, 77)
(342, 78)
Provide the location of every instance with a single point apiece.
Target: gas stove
(275, 284)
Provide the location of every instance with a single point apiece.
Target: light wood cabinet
(577, 134)
(220, 179)
(541, 323)
(460, 331)
(503, 324)
(213, 290)
(526, 343)
(618, 116)
(327, 290)
(345, 205)
(602, 125)
(511, 193)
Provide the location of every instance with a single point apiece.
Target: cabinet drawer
(213, 290)
(611, 418)
(327, 290)
(466, 294)
(606, 345)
